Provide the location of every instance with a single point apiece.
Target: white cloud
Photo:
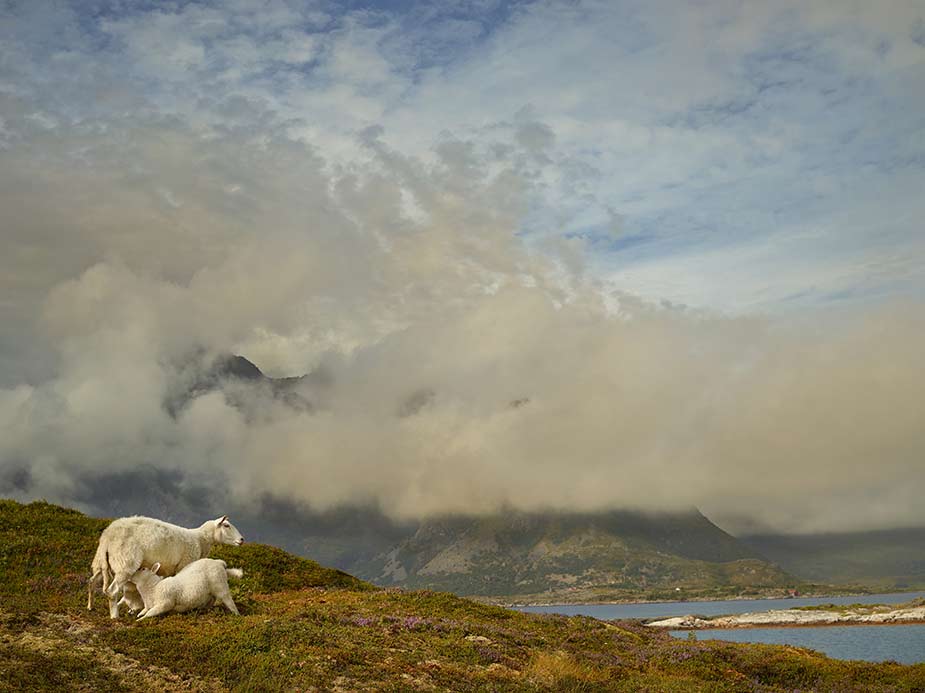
(444, 204)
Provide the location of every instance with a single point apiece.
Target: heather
(306, 627)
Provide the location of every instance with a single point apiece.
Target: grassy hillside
(305, 627)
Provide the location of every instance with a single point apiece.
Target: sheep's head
(227, 533)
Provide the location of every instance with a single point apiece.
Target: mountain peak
(235, 366)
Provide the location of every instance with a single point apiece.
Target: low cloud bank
(455, 367)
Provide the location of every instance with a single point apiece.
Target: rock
(478, 639)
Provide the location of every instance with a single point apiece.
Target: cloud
(632, 405)
(470, 243)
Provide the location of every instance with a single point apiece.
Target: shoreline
(875, 615)
(758, 626)
(624, 602)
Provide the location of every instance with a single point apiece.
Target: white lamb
(199, 584)
(129, 543)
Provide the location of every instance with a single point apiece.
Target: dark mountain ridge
(549, 555)
(880, 559)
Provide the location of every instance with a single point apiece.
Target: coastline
(623, 602)
(875, 615)
(750, 626)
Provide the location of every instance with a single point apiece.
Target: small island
(821, 615)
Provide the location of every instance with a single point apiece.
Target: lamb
(129, 543)
(199, 584)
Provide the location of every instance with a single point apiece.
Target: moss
(22, 669)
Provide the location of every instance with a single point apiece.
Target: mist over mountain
(544, 556)
(239, 380)
(452, 368)
(348, 269)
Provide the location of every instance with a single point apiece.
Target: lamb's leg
(155, 610)
(229, 603)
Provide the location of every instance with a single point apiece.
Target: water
(721, 608)
(905, 644)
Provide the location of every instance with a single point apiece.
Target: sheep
(129, 543)
(199, 584)
(101, 579)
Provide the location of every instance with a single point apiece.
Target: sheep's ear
(155, 568)
(220, 520)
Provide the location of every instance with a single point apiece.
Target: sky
(684, 238)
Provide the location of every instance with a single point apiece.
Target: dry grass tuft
(559, 667)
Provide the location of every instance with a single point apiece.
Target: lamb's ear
(219, 521)
(155, 568)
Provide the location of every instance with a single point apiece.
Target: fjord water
(905, 644)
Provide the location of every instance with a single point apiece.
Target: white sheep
(129, 543)
(101, 578)
(199, 584)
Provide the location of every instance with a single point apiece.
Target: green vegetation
(863, 608)
(842, 607)
(305, 627)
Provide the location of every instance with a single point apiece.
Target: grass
(306, 627)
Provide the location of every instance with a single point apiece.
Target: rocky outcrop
(797, 617)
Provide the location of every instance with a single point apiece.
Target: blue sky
(732, 156)
(690, 234)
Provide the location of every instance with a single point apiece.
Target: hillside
(577, 557)
(883, 560)
(306, 627)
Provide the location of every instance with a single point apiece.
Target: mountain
(310, 628)
(576, 557)
(241, 382)
(882, 559)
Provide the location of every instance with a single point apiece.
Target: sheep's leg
(118, 582)
(229, 603)
(113, 608)
(95, 580)
(155, 610)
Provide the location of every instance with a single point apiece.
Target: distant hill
(885, 559)
(310, 628)
(575, 557)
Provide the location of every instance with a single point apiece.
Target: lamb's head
(226, 533)
(144, 578)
